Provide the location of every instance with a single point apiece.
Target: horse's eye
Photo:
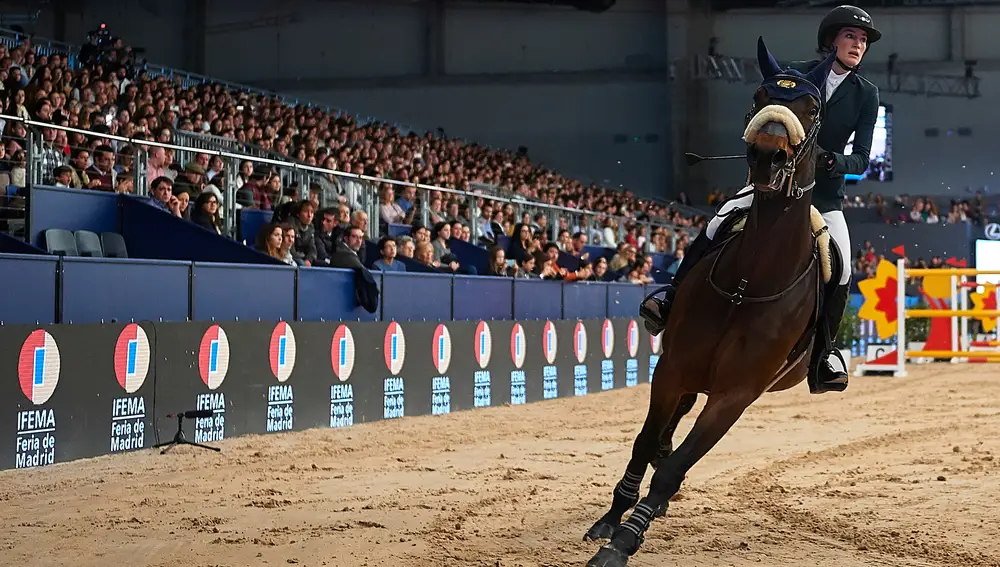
(814, 112)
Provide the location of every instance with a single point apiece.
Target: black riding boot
(827, 377)
(654, 310)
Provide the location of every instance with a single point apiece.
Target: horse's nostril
(778, 159)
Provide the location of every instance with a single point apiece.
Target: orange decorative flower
(880, 299)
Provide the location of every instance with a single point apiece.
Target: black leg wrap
(625, 495)
(629, 536)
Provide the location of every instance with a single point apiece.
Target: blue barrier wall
(11, 245)
(51, 289)
(469, 255)
(416, 297)
(482, 297)
(29, 289)
(153, 233)
(327, 294)
(98, 290)
(251, 221)
(584, 300)
(624, 299)
(70, 209)
(537, 299)
(413, 266)
(241, 292)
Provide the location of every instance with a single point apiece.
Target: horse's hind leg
(644, 449)
(720, 413)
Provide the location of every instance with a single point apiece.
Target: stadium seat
(88, 244)
(114, 245)
(60, 242)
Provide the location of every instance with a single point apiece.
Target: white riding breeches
(834, 220)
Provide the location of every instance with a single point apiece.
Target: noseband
(784, 177)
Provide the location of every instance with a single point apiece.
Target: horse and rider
(850, 107)
(756, 304)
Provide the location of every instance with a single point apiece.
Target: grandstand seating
(439, 168)
(481, 165)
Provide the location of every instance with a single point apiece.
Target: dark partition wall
(242, 292)
(70, 209)
(30, 297)
(96, 290)
(74, 391)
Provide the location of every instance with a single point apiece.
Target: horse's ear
(768, 65)
(819, 73)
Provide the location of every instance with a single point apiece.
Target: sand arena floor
(894, 472)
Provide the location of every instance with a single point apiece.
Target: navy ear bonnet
(789, 84)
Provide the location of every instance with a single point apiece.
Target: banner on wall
(77, 391)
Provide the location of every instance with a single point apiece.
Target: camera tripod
(179, 438)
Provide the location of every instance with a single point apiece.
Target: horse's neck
(776, 242)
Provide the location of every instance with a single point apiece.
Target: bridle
(785, 175)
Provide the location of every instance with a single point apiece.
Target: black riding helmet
(842, 17)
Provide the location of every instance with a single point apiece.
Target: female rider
(851, 106)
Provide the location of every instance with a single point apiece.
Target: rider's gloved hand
(826, 160)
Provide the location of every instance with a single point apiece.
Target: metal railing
(359, 192)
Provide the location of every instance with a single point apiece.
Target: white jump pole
(955, 291)
(900, 317)
(964, 332)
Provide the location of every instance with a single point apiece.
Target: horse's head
(782, 126)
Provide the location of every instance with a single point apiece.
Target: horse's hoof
(660, 511)
(608, 556)
(600, 530)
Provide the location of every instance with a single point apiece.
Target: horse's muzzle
(769, 153)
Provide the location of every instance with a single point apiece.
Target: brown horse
(743, 320)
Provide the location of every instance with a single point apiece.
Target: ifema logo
(441, 349)
(549, 342)
(607, 338)
(484, 344)
(580, 342)
(131, 358)
(281, 351)
(632, 338)
(213, 357)
(342, 353)
(655, 342)
(395, 347)
(517, 345)
(38, 366)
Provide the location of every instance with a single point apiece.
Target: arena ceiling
(737, 4)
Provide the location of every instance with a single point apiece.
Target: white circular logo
(992, 231)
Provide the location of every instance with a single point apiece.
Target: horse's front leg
(720, 413)
(667, 440)
(644, 449)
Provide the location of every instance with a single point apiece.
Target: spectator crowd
(107, 95)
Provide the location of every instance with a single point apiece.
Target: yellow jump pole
(941, 313)
(949, 272)
(963, 313)
(952, 354)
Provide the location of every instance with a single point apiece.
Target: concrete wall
(933, 41)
